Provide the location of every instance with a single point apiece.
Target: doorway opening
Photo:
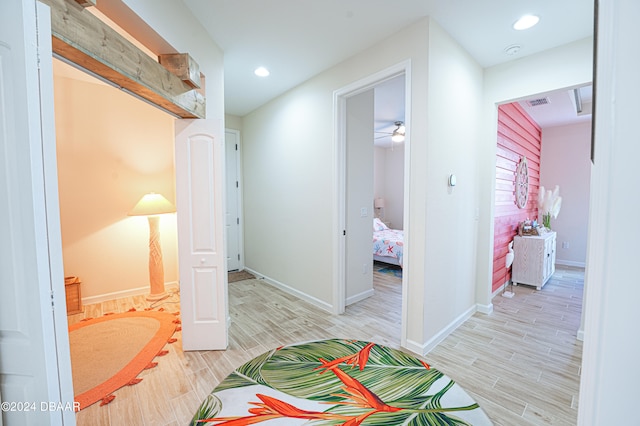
(360, 93)
(112, 149)
(551, 129)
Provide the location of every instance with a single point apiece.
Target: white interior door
(201, 249)
(35, 364)
(232, 215)
(359, 197)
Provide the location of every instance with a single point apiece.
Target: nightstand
(535, 259)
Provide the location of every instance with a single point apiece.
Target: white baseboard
(571, 263)
(295, 292)
(442, 334)
(500, 289)
(414, 347)
(424, 349)
(358, 297)
(497, 292)
(125, 293)
(580, 335)
(484, 309)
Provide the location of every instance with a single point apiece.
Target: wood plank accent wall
(518, 135)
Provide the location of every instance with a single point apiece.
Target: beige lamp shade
(152, 204)
(378, 203)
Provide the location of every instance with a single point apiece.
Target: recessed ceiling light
(527, 21)
(261, 72)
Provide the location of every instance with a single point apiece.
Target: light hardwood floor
(521, 363)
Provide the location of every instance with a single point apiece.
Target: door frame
(340, 97)
(240, 199)
(41, 328)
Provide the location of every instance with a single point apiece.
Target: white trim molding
(292, 291)
(609, 379)
(571, 263)
(425, 348)
(339, 181)
(484, 309)
(361, 296)
(172, 286)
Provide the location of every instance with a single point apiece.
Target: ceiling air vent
(538, 102)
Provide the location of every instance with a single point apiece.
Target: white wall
(175, 24)
(289, 168)
(388, 182)
(454, 96)
(379, 176)
(233, 122)
(565, 161)
(563, 67)
(359, 196)
(112, 149)
(609, 378)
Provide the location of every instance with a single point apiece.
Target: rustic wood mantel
(83, 39)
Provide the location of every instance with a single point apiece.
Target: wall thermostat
(452, 180)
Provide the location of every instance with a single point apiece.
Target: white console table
(535, 259)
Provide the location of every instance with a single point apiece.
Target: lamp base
(156, 297)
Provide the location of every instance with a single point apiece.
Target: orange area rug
(108, 353)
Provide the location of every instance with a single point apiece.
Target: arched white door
(199, 195)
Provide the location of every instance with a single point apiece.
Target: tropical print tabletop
(338, 382)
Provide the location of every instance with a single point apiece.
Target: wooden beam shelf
(83, 39)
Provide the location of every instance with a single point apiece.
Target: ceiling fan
(398, 133)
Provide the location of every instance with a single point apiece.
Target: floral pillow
(378, 225)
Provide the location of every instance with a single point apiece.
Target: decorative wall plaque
(522, 183)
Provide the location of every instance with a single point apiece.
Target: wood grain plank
(83, 39)
(124, 408)
(154, 410)
(527, 346)
(509, 133)
(515, 111)
(518, 135)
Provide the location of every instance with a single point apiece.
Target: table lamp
(152, 205)
(378, 204)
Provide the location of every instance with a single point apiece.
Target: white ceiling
(297, 39)
(389, 103)
(562, 107)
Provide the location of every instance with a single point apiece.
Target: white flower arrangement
(549, 203)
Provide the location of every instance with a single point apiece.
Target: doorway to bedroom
(388, 179)
(369, 191)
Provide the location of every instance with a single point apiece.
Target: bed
(387, 243)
